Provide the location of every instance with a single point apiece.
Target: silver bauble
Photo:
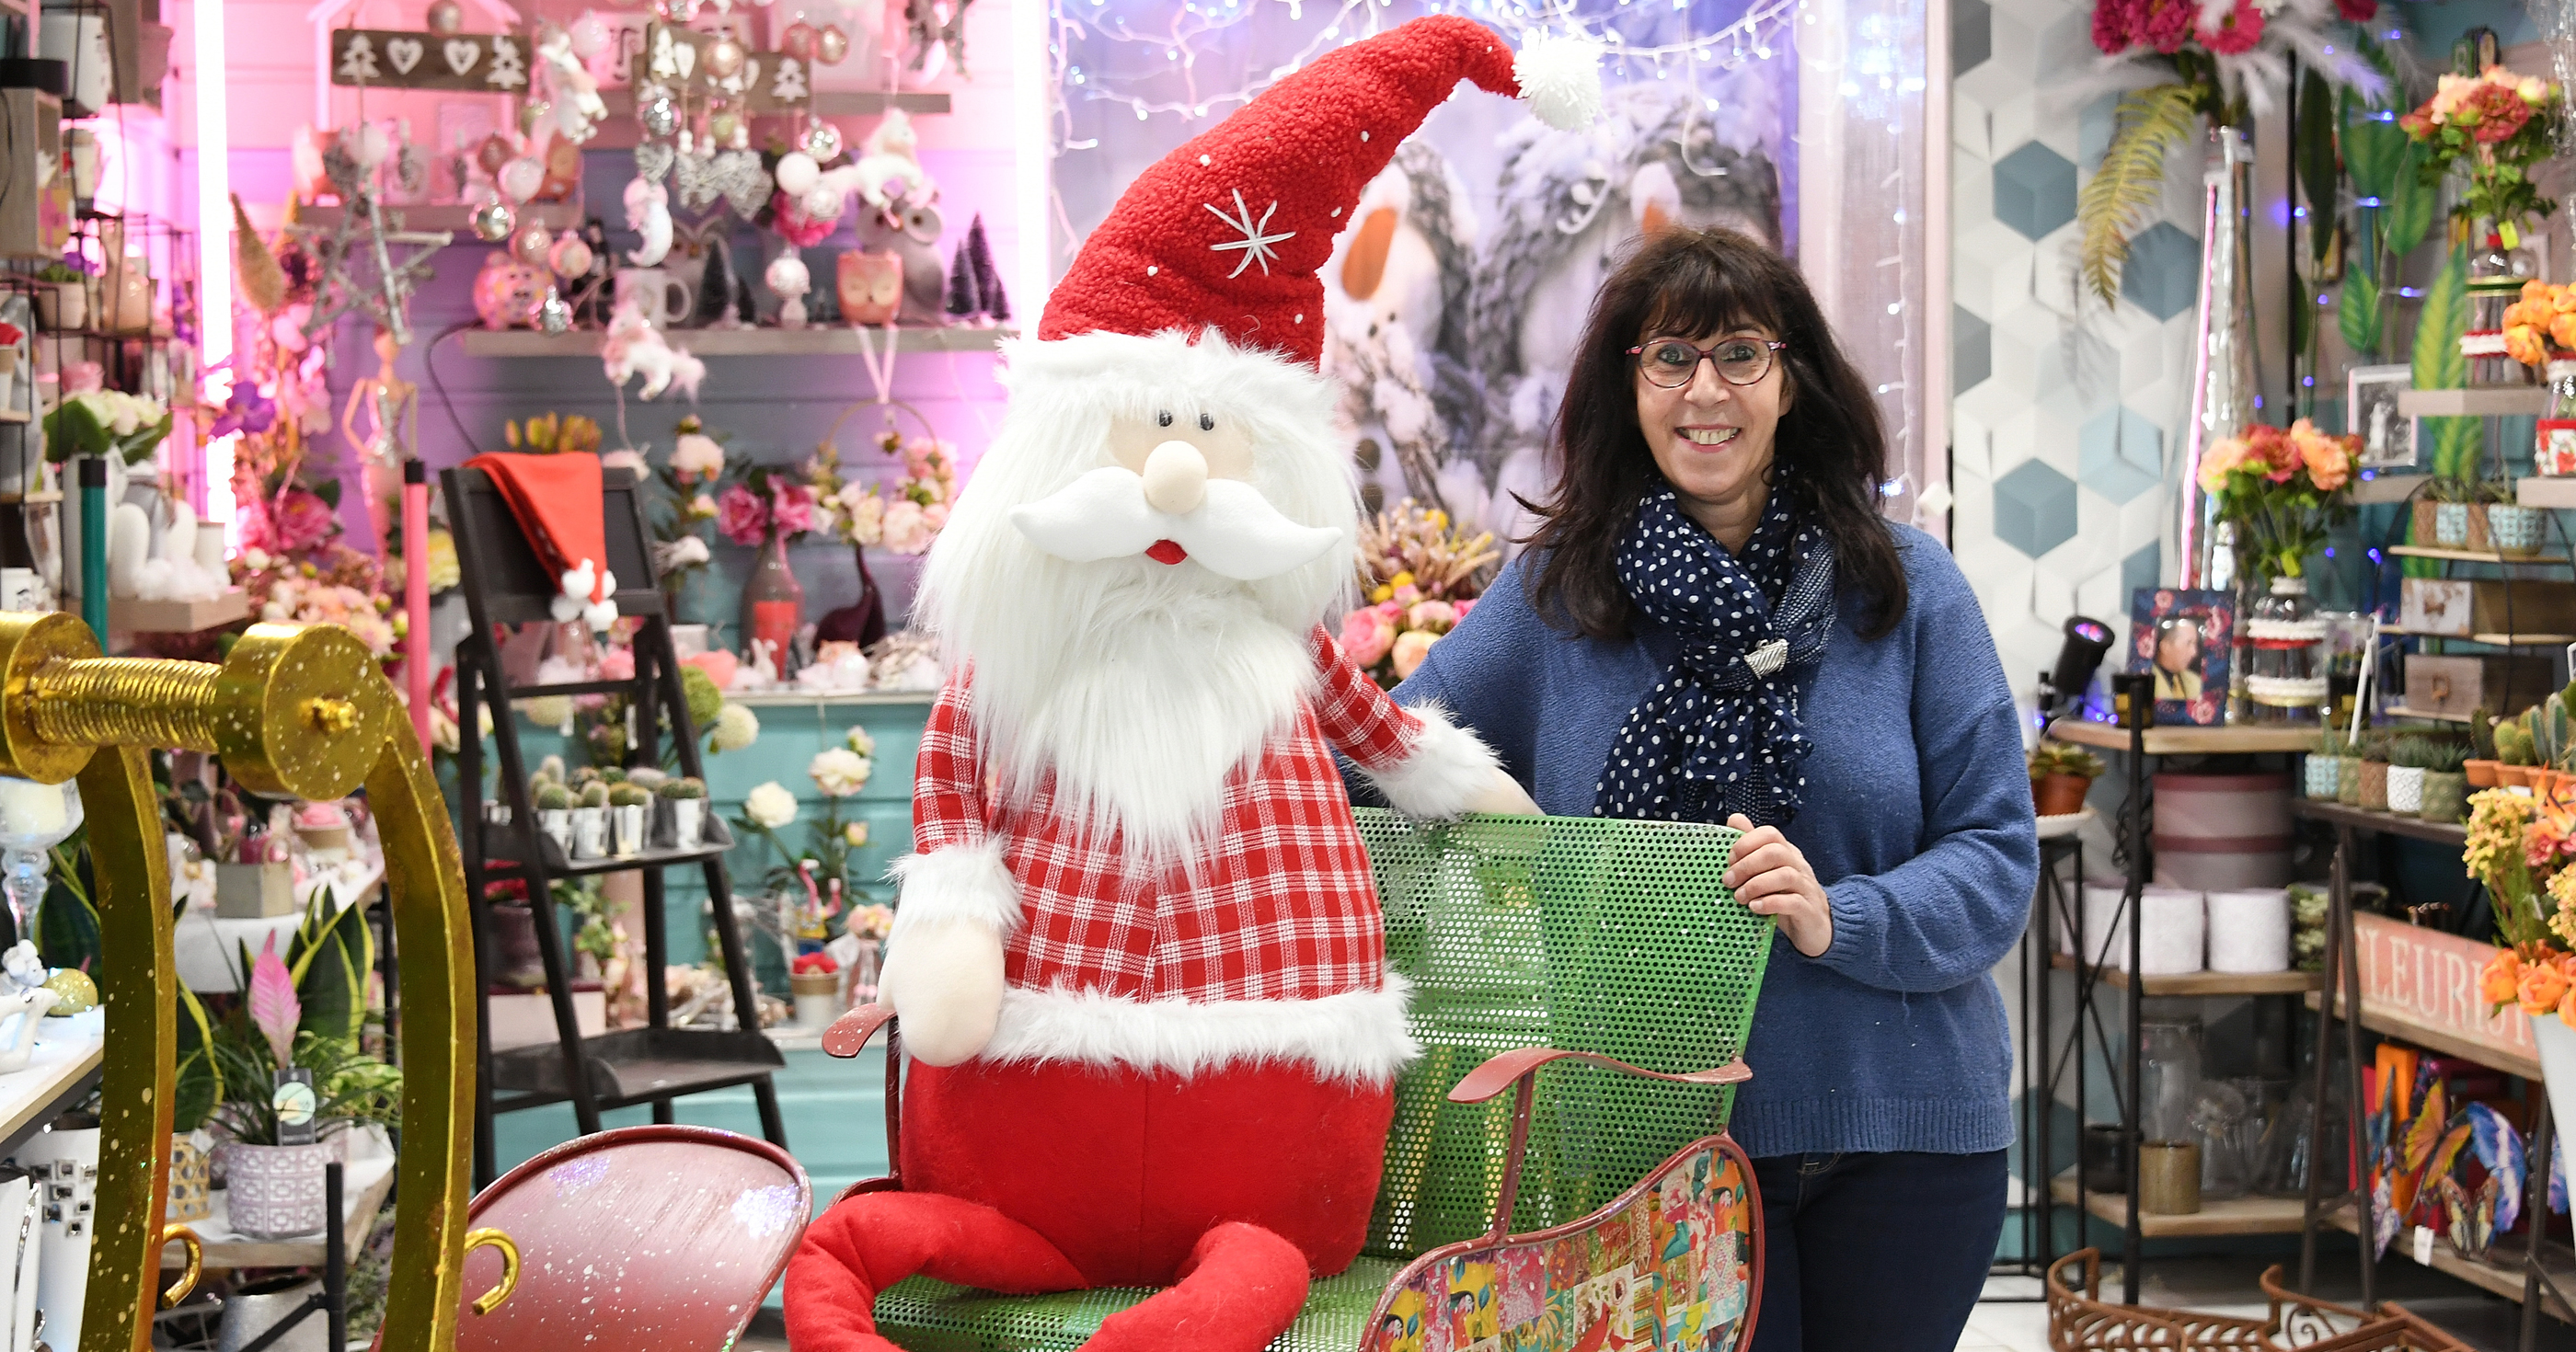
(530, 244)
(822, 141)
(831, 45)
(724, 57)
(447, 18)
(533, 114)
(553, 315)
(659, 115)
(492, 221)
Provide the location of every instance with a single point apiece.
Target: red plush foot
(869, 1242)
(1241, 1288)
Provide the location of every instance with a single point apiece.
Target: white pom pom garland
(1561, 78)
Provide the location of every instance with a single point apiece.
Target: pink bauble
(570, 257)
(521, 178)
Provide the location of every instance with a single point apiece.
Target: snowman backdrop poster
(1453, 296)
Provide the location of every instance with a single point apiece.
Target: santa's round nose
(1176, 477)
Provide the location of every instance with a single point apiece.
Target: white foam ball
(797, 173)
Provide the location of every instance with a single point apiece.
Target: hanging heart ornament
(653, 160)
(734, 176)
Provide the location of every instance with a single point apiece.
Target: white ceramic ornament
(590, 36)
(447, 18)
(493, 221)
(797, 173)
(648, 213)
(368, 145)
(521, 177)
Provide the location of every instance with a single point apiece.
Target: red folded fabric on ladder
(557, 500)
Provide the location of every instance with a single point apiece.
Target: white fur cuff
(1358, 1035)
(959, 883)
(1444, 771)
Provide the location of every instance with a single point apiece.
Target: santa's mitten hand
(1504, 796)
(943, 968)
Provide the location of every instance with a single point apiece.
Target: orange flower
(2222, 457)
(2536, 289)
(2562, 329)
(2524, 344)
(2562, 299)
(2502, 977)
(2541, 986)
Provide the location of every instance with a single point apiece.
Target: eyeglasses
(1669, 363)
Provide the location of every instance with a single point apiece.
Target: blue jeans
(1886, 1252)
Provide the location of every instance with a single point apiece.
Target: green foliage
(2318, 171)
(594, 794)
(349, 1086)
(67, 919)
(77, 427)
(200, 1082)
(629, 795)
(330, 957)
(684, 788)
(2458, 443)
(2357, 308)
(2147, 125)
(2444, 756)
(2513, 742)
(2482, 733)
(2061, 758)
(706, 700)
(552, 797)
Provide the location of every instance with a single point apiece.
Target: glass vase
(2496, 274)
(2288, 679)
(773, 608)
(2223, 378)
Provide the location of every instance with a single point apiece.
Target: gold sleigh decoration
(293, 710)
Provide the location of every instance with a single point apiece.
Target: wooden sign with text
(484, 63)
(2427, 981)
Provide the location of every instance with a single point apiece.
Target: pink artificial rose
(2237, 32)
(935, 515)
(1407, 594)
(742, 516)
(301, 521)
(907, 530)
(1366, 636)
(791, 508)
(718, 664)
(1462, 607)
(1435, 616)
(81, 377)
(617, 664)
(1411, 647)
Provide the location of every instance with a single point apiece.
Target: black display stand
(506, 584)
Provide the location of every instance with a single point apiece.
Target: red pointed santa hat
(558, 503)
(1229, 231)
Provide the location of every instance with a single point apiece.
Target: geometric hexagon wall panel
(2034, 190)
(2163, 271)
(2120, 454)
(1972, 356)
(2139, 570)
(2034, 508)
(1972, 35)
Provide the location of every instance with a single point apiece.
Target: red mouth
(1166, 551)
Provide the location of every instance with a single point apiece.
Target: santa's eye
(1163, 419)
(1207, 422)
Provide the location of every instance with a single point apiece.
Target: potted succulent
(2481, 765)
(2407, 754)
(686, 802)
(2513, 754)
(2324, 768)
(554, 815)
(2374, 772)
(628, 806)
(2446, 785)
(590, 822)
(2060, 776)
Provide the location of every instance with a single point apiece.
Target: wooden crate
(2459, 685)
(2460, 607)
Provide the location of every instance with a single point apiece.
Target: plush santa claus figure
(1138, 960)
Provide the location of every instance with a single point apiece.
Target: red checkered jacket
(1283, 909)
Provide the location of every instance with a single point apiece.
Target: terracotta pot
(2482, 773)
(2512, 776)
(2060, 795)
(2374, 786)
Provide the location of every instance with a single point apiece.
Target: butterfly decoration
(2558, 1181)
(2499, 1148)
(2383, 1218)
(2470, 1222)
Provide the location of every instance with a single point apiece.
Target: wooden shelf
(177, 617)
(2387, 823)
(2494, 640)
(2529, 401)
(2554, 491)
(2503, 1278)
(16, 415)
(2177, 739)
(2470, 555)
(2385, 488)
(2425, 714)
(228, 1255)
(827, 103)
(454, 219)
(2398, 1024)
(2242, 1216)
(2203, 983)
(835, 341)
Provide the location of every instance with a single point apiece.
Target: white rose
(770, 805)
(840, 772)
(688, 551)
(697, 453)
(736, 727)
(860, 742)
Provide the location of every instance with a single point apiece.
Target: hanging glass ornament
(724, 57)
(492, 221)
(494, 152)
(831, 45)
(521, 178)
(659, 115)
(569, 256)
(447, 18)
(723, 126)
(529, 246)
(798, 40)
(553, 315)
(822, 141)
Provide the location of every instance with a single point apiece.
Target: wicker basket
(2081, 1322)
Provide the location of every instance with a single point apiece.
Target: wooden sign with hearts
(485, 63)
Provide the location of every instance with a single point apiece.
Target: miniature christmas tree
(988, 279)
(964, 300)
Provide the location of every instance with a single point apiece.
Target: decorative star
(1255, 243)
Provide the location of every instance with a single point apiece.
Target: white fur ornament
(575, 603)
(1561, 78)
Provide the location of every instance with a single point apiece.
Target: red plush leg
(869, 1242)
(1241, 1288)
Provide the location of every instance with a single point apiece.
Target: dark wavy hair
(1829, 454)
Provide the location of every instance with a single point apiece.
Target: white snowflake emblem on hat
(1256, 240)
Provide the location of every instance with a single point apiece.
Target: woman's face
(1712, 438)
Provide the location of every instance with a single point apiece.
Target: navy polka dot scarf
(1720, 733)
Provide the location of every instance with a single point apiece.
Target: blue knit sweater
(1917, 820)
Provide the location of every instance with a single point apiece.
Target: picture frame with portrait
(2183, 637)
(2371, 412)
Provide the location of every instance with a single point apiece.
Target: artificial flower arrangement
(1421, 578)
(688, 479)
(2541, 326)
(107, 423)
(839, 773)
(2519, 845)
(2282, 489)
(553, 434)
(2495, 127)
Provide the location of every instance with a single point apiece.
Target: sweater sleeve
(1482, 673)
(1950, 913)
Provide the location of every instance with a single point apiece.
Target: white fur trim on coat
(961, 882)
(1441, 773)
(1358, 1035)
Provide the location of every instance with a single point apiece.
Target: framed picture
(2183, 638)
(2370, 409)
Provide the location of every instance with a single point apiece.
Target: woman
(1714, 624)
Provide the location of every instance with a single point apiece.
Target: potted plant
(628, 805)
(2481, 765)
(2407, 754)
(2442, 514)
(2324, 768)
(2446, 786)
(2513, 754)
(63, 304)
(2374, 772)
(590, 822)
(288, 1088)
(2060, 776)
(554, 815)
(686, 801)
(815, 980)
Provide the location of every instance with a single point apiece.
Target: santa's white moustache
(1233, 532)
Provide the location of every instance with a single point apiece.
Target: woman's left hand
(1772, 877)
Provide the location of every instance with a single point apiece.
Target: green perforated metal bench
(1631, 1217)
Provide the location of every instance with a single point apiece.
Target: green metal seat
(1608, 937)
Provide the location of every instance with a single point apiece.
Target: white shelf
(788, 699)
(2555, 491)
(836, 341)
(2425, 714)
(2508, 401)
(454, 219)
(2385, 488)
(2470, 555)
(827, 103)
